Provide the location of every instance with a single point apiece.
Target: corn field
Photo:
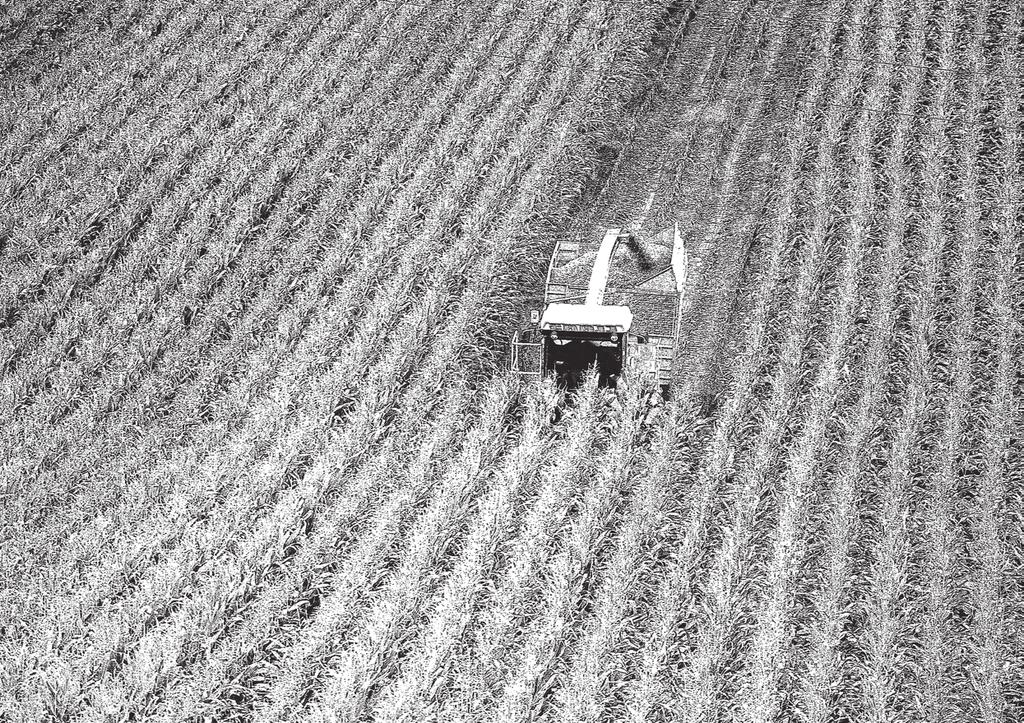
(260, 456)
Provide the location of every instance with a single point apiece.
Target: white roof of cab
(618, 317)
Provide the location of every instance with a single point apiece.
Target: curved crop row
(885, 654)
(991, 636)
(760, 699)
(175, 365)
(822, 672)
(648, 692)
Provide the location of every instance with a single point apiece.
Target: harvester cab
(614, 306)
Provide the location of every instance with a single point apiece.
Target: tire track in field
(719, 191)
(636, 171)
(711, 155)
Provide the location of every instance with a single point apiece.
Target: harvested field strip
(648, 692)
(737, 136)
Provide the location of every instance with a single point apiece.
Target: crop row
(887, 614)
(454, 259)
(943, 655)
(232, 294)
(822, 677)
(137, 248)
(600, 661)
(183, 355)
(992, 637)
(77, 226)
(759, 700)
(564, 589)
(356, 348)
(307, 239)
